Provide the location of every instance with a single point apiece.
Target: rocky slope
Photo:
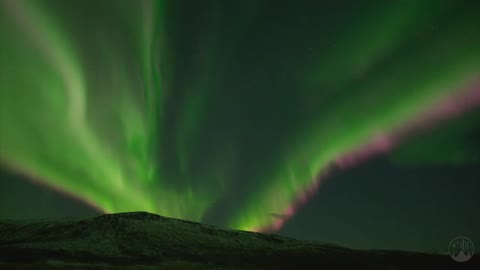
(141, 240)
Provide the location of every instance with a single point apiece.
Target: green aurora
(214, 110)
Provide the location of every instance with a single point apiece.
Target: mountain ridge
(141, 240)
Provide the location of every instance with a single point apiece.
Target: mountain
(140, 240)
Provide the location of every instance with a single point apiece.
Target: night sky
(350, 122)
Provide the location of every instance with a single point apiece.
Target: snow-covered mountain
(140, 240)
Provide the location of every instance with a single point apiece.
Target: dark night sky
(380, 205)
(231, 112)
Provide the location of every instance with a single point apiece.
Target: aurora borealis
(230, 112)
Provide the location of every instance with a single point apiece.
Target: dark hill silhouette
(140, 240)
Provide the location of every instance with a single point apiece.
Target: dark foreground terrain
(140, 240)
